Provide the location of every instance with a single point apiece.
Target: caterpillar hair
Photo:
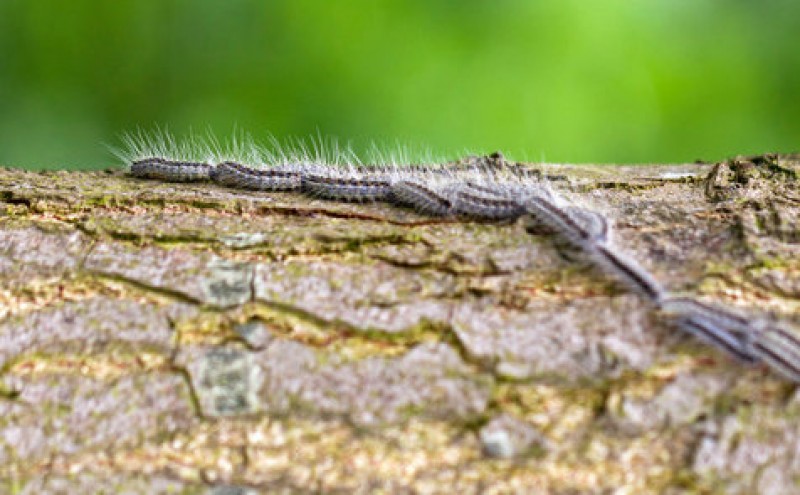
(158, 155)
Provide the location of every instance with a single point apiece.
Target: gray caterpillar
(485, 189)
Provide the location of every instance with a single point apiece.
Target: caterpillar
(418, 195)
(171, 170)
(749, 339)
(713, 325)
(352, 186)
(233, 174)
(480, 188)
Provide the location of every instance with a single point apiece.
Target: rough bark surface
(186, 338)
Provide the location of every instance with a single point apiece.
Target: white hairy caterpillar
(351, 186)
(724, 329)
(749, 339)
(627, 271)
(171, 170)
(483, 188)
(778, 347)
(235, 175)
(418, 195)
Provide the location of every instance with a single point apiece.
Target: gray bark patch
(30, 254)
(202, 277)
(85, 327)
(60, 415)
(86, 483)
(375, 296)
(586, 338)
(286, 377)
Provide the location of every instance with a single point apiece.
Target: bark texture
(186, 338)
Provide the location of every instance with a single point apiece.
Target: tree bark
(192, 338)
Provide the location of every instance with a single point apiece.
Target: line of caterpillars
(488, 189)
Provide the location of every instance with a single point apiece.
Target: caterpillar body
(778, 347)
(468, 202)
(712, 325)
(487, 188)
(417, 195)
(235, 175)
(356, 188)
(627, 271)
(171, 170)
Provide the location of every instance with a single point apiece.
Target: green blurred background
(555, 80)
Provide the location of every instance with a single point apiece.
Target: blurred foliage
(556, 80)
